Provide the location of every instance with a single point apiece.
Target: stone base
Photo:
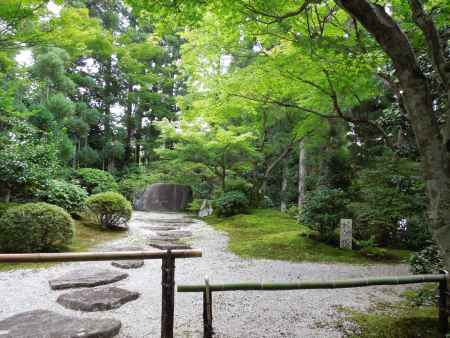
(48, 324)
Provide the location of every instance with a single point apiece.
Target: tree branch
(435, 45)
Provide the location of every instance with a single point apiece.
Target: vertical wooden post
(443, 304)
(168, 295)
(207, 311)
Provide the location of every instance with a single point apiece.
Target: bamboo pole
(336, 284)
(95, 256)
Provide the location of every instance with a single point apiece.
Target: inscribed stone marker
(346, 234)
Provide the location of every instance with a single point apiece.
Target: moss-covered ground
(409, 318)
(268, 233)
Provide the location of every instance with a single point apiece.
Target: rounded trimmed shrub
(96, 181)
(231, 203)
(68, 196)
(111, 209)
(35, 227)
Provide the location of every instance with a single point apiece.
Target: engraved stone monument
(346, 234)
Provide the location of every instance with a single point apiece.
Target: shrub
(68, 196)
(111, 209)
(428, 260)
(294, 211)
(133, 184)
(323, 210)
(231, 203)
(375, 253)
(96, 181)
(35, 227)
(195, 205)
(391, 204)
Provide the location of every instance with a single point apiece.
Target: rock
(48, 324)
(206, 209)
(97, 299)
(164, 197)
(86, 278)
(170, 246)
(129, 264)
(175, 233)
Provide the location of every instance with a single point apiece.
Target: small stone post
(346, 234)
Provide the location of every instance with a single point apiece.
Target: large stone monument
(346, 234)
(164, 197)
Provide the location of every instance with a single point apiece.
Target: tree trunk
(138, 137)
(284, 185)
(418, 104)
(224, 174)
(130, 128)
(5, 194)
(301, 173)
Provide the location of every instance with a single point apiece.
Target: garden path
(308, 313)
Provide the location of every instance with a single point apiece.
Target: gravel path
(308, 313)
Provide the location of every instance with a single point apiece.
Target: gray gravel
(307, 313)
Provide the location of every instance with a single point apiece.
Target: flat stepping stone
(171, 246)
(129, 264)
(86, 278)
(173, 221)
(175, 233)
(48, 324)
(161, 227)
(97, 299)
(164, 238)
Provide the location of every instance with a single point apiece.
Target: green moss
(268, 233)
(402, 320)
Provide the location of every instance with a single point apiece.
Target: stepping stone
(171, 246)
(48, 324)
(129, 264)
(173, 220)
(161, 227)
(175, 233)
(86, 278)
(97, 299)
(164, 238)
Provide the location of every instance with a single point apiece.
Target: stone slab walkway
(308, 313)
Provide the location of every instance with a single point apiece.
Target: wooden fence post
(443, 304)
(207, 311)
(168, 295)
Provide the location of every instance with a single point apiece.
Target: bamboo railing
(167, 279)
(207, 290)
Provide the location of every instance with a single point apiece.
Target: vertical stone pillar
(346, 233)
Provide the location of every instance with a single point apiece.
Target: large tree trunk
(138, 137)
(301, 173)
(418, 103)
(284, 185)
(130, 128)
